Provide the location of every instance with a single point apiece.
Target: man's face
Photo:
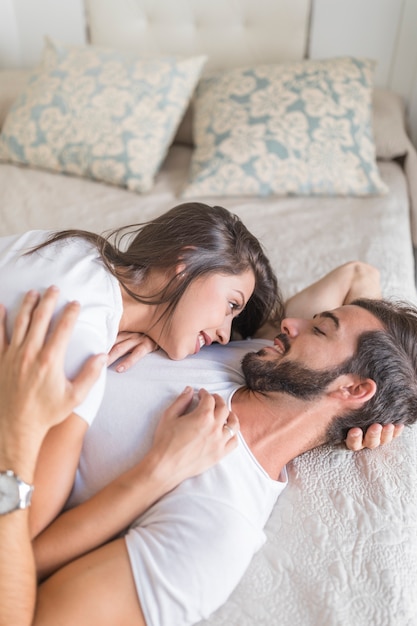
(307, 354)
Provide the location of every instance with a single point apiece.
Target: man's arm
(340, 286)
(35, 396)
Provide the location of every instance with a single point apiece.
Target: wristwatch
(14, 492)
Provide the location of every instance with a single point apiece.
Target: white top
(191, 548)
(75, 267)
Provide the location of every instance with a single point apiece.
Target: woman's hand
(375, 436)
(186, 444)
(135, 345)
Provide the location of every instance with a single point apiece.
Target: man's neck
(278, 427)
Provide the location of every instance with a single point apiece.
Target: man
(35, 395)
(283, 410)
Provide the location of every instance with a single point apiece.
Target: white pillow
(301, 128)
(99, 113)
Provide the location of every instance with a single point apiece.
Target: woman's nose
(223, 332)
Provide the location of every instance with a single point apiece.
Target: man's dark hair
(389, 357)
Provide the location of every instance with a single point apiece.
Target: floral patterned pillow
(99, 113)
(292, 128)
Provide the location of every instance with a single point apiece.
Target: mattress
(342, 539)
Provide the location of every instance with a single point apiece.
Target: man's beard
(287, 377)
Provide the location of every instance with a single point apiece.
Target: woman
(183, 280)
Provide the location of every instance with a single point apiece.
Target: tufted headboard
(231, 32)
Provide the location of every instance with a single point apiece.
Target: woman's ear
(180, 269)
(181, 266)
(353, 388)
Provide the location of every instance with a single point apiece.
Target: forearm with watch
(17, 566)
(35, 395)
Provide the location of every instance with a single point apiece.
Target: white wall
(23, 24)
(385, 30)
(382, 29)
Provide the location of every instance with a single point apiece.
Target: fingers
(134, 345)
(136, 355)
(376, 435)
(398, 429)
(23, 318)
(41, 317)
(231, 428)
(124, 343)
(180, 404)
(57, 343)
(387, 434)
(354, 439)
(372, 438)
(87, 376)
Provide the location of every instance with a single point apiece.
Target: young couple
(189, 541)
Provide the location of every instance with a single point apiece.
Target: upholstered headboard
(231, 32)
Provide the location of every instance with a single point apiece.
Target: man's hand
(375, 436)
(35, 393)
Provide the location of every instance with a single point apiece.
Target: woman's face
(204, 314)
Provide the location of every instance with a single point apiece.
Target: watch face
(9, 493)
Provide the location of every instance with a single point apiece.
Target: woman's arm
(184, 445)
(55, 471)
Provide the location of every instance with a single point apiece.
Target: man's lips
(281, 344)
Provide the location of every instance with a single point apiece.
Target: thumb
(87, 376)
(180, 405)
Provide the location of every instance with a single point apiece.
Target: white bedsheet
(304, 237)
(342, 547)
(342, 544)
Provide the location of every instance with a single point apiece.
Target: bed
(342, 540)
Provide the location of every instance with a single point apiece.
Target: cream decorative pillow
(100, 113)
(292, 128)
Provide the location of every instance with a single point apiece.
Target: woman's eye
(318, 331)
(234, 306)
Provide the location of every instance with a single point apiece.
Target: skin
(36, 396)
(90, 579)
(204, 314)
(285, 427)
(206, 310)
(317, 350)
(342, 285)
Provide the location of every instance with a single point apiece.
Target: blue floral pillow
(99, 113)
(292, 128)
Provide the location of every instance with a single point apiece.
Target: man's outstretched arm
(340, 286)
(35, 395)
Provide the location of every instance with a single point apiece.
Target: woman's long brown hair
(206, 240)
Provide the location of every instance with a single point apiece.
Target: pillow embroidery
(100, 113)
(299, 128)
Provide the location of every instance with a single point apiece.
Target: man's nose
(291, 326)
